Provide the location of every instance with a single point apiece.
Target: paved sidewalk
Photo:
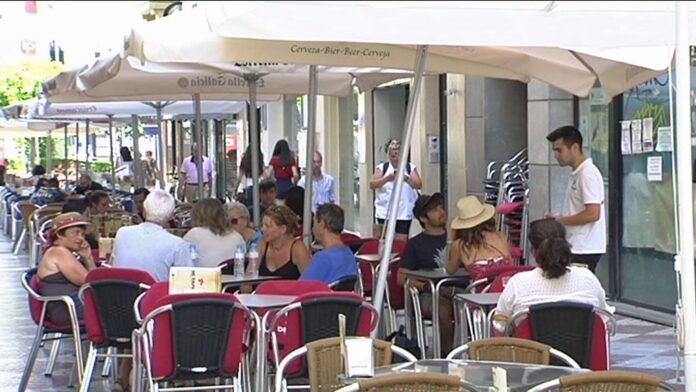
(637, 346)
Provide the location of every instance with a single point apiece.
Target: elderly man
(188, 181)
(323, 185)
(148, 246)
(336, 261)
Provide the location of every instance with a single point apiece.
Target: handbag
(482, 269)
(399, 338)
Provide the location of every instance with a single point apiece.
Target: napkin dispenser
(194, 280)
(356, 352)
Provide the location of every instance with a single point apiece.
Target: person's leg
(446, 317)
(402, 229)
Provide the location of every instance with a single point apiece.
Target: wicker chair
(411, 382)
(512, 350)
(324, 362)
(610, 381)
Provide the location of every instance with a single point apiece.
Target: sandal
(120, 386)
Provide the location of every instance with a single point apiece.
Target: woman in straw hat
(475, 236)
(65, 264)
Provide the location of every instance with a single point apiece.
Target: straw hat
(69, 219)
(471, 213)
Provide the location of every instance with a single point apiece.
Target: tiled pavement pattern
(638, 345)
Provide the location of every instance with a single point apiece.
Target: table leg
(260, 353)
(435, 289)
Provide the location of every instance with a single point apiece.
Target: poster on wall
(625, 137)
(664, 139)
(637, 136)
(654, 169)
(647, 134)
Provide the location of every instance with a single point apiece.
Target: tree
(22, 81)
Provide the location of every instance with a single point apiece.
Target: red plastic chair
(45, 327)
(580, 330)
(108, 296)
(194, 336)
(371, 247)
(314, 316)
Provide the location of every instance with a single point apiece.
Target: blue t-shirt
(331, 264)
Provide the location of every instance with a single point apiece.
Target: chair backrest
(509, 350)
(37, 305)
(571, 327)
(26, 208)
(371, 247)
(346, 283)
(291, 287)
(414, 382)
(109, 294)
(499, 281)
(614, 380)
(314, 316)
(324, 363)
(201, 335)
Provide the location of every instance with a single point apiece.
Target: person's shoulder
(583, 273)
(57, 252)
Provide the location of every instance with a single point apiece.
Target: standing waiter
(188, 180)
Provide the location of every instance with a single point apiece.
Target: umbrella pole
(199, 143)
(77, 151)
(87, 166)
(309, 158)
(111, 151)
(49, 153)
(136, 152)
(254, 130)
(65, 155)
(378, 294)
(685, 198)
(160, 144)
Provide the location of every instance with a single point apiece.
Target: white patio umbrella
(123, 78)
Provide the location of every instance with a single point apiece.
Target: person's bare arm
(301, 256)
(454, 261)
(69, 266)
(379, 179)
(590, 214)
(414, 180)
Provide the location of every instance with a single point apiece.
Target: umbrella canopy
(16, 128)
(119, 78)
(124, 110)
(492, 43)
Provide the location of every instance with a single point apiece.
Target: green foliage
(22, 81)
(101, 167)
(655, 110)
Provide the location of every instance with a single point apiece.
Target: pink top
(189, 170)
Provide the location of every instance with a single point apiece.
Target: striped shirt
(323, 190)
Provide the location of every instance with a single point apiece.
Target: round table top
(265, 300)
(520, 376)
(373, 257)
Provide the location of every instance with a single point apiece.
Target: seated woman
(553, 279)
(65, 265)
(211, 231)
(99, 202)
(281, 253)
(475, 238)
(238, 215)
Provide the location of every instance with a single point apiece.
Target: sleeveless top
(287, 271)
(57, 284)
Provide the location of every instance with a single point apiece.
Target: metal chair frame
(560, 355)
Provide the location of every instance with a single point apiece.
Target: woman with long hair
(282, 254)
(284, 166)
(554, 279)
(245, 171)
(211, 231)
(475, 239)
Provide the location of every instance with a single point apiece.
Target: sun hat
(68, 219)
(425, 203)
(471, 213)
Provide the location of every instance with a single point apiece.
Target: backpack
(385, 166)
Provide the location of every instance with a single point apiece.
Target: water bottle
(239, 262)
(253, 255)
(195, 256)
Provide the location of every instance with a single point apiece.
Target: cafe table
(373, 260)
(233, 281)
(520, 376)
(474, 307)
(255, 303)
(436, 278)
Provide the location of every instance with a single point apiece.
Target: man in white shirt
(188, 180)
(323, 185)
(583, 207)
